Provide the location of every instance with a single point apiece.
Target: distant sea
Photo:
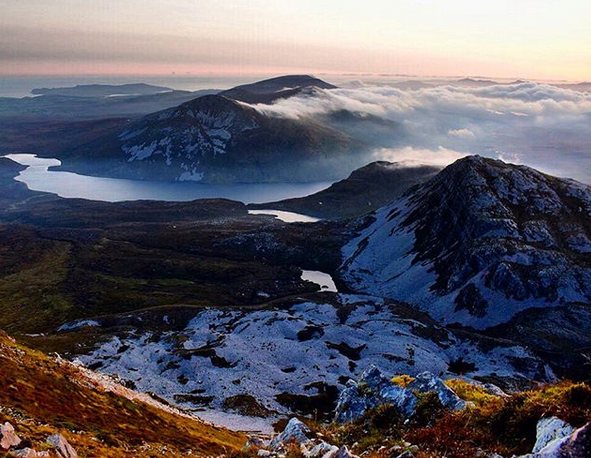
(21, 86)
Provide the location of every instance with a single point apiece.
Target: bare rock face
(8, 438)
(578, 445)
(295, 432)
(479, 243)
(549, 430)
(575, 445)
(343, 452)
(374, 389)
(62, 446)
(321, 450)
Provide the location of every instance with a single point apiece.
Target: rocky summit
(478, 243)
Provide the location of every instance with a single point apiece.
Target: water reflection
(38, 177)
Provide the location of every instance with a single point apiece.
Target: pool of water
(39, 177)
(288, 217)
(322, 279)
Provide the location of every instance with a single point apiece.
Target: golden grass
(56, 395)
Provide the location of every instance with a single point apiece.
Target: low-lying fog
(540, 125)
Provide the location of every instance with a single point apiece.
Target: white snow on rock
(182, 136)
(477, 244)
(77, 325)
(223, 353)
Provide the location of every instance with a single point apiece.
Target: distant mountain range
(102, 90)
(82, 104)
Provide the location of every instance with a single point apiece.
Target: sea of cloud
(540, 125)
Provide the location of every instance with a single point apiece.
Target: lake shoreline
(41, 175)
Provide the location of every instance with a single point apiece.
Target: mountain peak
(281, 87)
(472, 245)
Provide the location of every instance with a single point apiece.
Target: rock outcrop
(549, 430)
(556, 439)
(374, 389)
(30, 453)
(62, 446)
(426, 382)
(295, 432)
(8, 437)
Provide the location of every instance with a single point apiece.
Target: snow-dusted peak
(478, 243)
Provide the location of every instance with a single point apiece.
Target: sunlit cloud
(537, 124)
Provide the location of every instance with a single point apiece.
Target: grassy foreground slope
(40, 395)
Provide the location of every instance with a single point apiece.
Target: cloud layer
(536, 124)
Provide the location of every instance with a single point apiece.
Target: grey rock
(322, 449)
(8, 438)
(295, 432)
(426, 382)
(254, 441)
(30, 453)
(406, 454)
(577, 445)
(550, 429)
(343, 452)
(62, 446)
(372, 390)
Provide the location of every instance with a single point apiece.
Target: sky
(533, 39)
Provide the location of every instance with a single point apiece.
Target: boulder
(343, 452)
(426, 382)
(255, 441)
(321, 450)
(351, 404)
(403, 399)
(549, 430)
(295, 432)
(372, 390)
(406, 454)
(62, 446)
(577, 445)
(8, 438)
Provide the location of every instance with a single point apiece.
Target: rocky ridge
(478, 243)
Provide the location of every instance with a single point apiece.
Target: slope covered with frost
(478, 243)
(308, 349)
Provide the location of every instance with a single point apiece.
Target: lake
(323, 280)
(39, 177)
(286, 217)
